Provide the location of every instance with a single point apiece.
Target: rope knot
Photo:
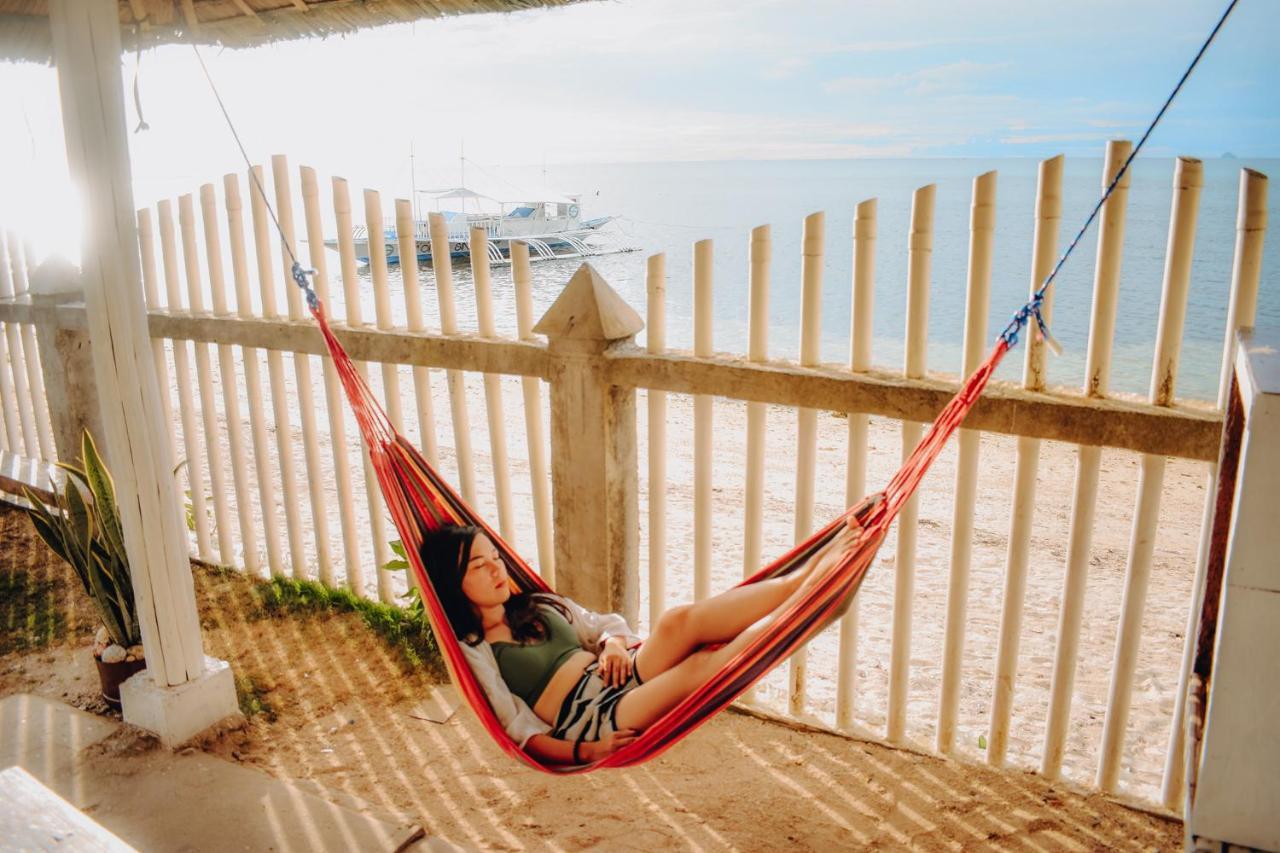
(1034, 308)
(300, 279)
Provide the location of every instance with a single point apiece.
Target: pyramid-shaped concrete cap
(589, 309)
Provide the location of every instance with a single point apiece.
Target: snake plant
(83, 528)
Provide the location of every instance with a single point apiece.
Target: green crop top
(527, 668)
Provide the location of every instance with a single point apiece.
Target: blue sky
(643, 80)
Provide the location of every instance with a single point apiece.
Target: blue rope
(1034, 307)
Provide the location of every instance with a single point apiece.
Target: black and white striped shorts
(589, 711)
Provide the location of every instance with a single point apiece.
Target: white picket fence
(278, 484)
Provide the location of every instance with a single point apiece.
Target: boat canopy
(526, 198)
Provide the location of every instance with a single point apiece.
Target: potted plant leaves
(83, 528)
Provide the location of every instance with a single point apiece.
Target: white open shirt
(513, 712)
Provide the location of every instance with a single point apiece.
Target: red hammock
(419, 499)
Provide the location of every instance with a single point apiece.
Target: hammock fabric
(420, 500)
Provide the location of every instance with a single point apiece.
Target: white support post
(182, 692)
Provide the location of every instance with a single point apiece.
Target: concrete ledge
(177, 714)
(154, 799)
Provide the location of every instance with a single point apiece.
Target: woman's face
(484, 581)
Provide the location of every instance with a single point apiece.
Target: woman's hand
(615, 663)
(606, 746)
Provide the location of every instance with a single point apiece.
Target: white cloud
(786, 67)
(933, 80)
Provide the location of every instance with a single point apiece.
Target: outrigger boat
(552, 229)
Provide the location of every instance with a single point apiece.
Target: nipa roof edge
(24, 24)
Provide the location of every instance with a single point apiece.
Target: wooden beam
(460, 352)
(1180, 431)
(246, 9)
(189, 13)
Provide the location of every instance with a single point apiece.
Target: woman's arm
(594, 628)
(546, 748)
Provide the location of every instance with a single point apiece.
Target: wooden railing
(302, 505)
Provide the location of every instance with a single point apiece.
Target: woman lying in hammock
(571, 686)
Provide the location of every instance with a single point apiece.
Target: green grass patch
(31, 615)
(405, 631)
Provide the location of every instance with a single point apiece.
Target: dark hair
(445, 553)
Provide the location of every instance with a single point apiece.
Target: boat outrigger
(552, 228)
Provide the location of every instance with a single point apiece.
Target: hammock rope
(419, 499)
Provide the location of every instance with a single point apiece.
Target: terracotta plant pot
(112, 675)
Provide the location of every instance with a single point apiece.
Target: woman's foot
(821, 563)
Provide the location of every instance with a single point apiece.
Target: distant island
(1227, 155)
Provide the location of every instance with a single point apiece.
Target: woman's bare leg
(682, 629)
(662, 692)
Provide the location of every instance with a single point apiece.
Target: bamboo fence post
(204, 378)
(31, 354)
(702, 423)
(192, 441)
(535, 436)
(1027, 467)
(230, 385)
(382, 309)
(354, 319)
(919, 253)
(1251, 229)
(8, 403)
(442, 265)
(760, 251)
(390, 372)
(811, 251)
(151, 292)
(1188, 178)
(1097, 374)
(982, 223)
(302, 372)
(855, 486)
(492, 385)
(252, 376)
(656, 344)
(275, 371)
(761, 254)
(333, 398)
(21, 387)
(405, 231)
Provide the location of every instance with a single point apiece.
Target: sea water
(666, 207)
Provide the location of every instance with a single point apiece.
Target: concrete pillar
(66, 359)
(593, 448)
(182, 691)
(1237, 798)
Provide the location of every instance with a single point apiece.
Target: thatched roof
(24, 24)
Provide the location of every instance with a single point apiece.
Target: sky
(663, 80)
